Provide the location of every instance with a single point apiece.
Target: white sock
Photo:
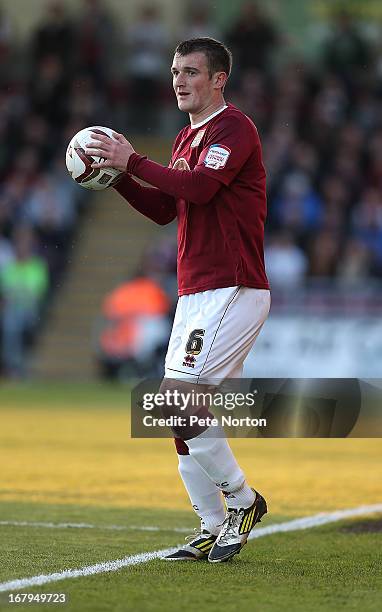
(241, 498)
(215, 457)
(205, 497)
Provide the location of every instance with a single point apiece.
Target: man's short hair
(219, 57)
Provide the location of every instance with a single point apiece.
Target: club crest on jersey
(217, 156)
(198, 138)
(181, 164)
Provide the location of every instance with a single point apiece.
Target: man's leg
(245, 506)
(208, 448)
(214, 455)
(208, 468)
(205, 497)
(226, 324)
(206, 500)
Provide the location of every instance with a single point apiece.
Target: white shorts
(213, 332)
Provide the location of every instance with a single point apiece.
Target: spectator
(148, 47)
(51, 212)
(12, 197)
(86, 101)
(277, 144)
(252, 97)
(54, 35)
(286, 263)
(331, 104)
(135, 330)
(198, 22)
(321, 127)
(159, 264)
(374, 153)
(6, 34)
(48, 91)
(346, 51)
(37, 137)
(304, 158)
(95, 39)
(252, 37)
(324, 250)
(299, 207)
(6, 252)
(24, 171)
(367, 223)
(23, 285)
(336, 202)
(355, 262)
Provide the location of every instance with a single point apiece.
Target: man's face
(194, 89)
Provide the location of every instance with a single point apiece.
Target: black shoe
(236, 528)
(198, 547)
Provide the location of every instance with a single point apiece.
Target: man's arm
(149, 201)
(192, 185)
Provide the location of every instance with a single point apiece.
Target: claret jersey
(220, 243)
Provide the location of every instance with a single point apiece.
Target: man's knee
(184, 400)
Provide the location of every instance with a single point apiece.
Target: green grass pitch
(66, 457)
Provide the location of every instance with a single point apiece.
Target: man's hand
(115, 153)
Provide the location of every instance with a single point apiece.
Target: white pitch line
(89, 570)
(50, 525)
(314, 521)
(112, 566)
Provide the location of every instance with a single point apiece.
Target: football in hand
(79, 163)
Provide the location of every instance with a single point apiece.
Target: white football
(79, 163)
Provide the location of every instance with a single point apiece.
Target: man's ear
(220, 79)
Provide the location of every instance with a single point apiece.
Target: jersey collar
(198, 125)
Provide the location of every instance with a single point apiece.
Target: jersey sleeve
(229, 144)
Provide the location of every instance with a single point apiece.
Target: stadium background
(311, 78)
(313, 86)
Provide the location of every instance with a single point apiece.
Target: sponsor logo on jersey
(217, 156)
(189, 361)
(198, 138)
(181, 164)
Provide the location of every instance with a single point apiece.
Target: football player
(215, 188)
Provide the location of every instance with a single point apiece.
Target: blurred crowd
(320, 124)
(321, 127)
(47, 93)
